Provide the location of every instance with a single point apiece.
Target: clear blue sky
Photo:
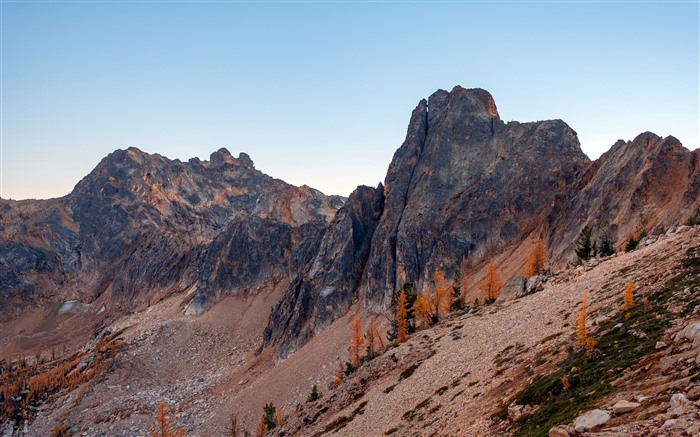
(321, 93)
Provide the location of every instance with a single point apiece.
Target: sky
(320, 93)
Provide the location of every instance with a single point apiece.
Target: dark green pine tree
(583, 244)
(269, 414)
(457, 299)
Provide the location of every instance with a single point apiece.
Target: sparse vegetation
(26, 383)
(619, 349)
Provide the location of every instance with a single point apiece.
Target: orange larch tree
(536, 260)
(582, 336)
(628, 299)
(165, 424)
(441, 297)
(356, 342)
(492, 284)
(401, 317)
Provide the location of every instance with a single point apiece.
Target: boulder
(623, 406)
(680, 404)
(513, 289)
(601, 320)
(591, 420)
(694, 393)
(534, 284)
(691, 331)
(559, 431)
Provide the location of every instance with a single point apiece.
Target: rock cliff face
(329, 283)
(141, 224)
(465, 186)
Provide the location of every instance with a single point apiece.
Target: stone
(671, 230)
(683, 228)
(601, 320)
(591, 420)
(534, 284)
(660, 345)
(694, 393)
(680, 404)
(559, 431)
(513, 289)
(623, 406)
(690, 332)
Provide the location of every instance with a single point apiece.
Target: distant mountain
(141, 226)
(465, 187)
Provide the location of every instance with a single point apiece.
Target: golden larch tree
(279, 421)
(401, 317)
(261, 428)
(628, 299)
(582, 336)
(165, 424)
(441, 297)
(492, 284)
(423, 309)
(536, 260)
(338, 378)
(356, 342)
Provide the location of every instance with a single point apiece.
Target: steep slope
(142, 226)
(465, 187)
(466, 375)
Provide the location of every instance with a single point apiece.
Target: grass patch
(342, 421)
(408, 371)
(619, 349)
(441, 390)
(389, 389)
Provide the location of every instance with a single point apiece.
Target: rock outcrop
(328, 285)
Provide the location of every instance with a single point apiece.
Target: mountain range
(463, 189)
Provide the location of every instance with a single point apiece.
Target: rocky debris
(513, 289)
(591, 420)
(660, 345)
(623, 406)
